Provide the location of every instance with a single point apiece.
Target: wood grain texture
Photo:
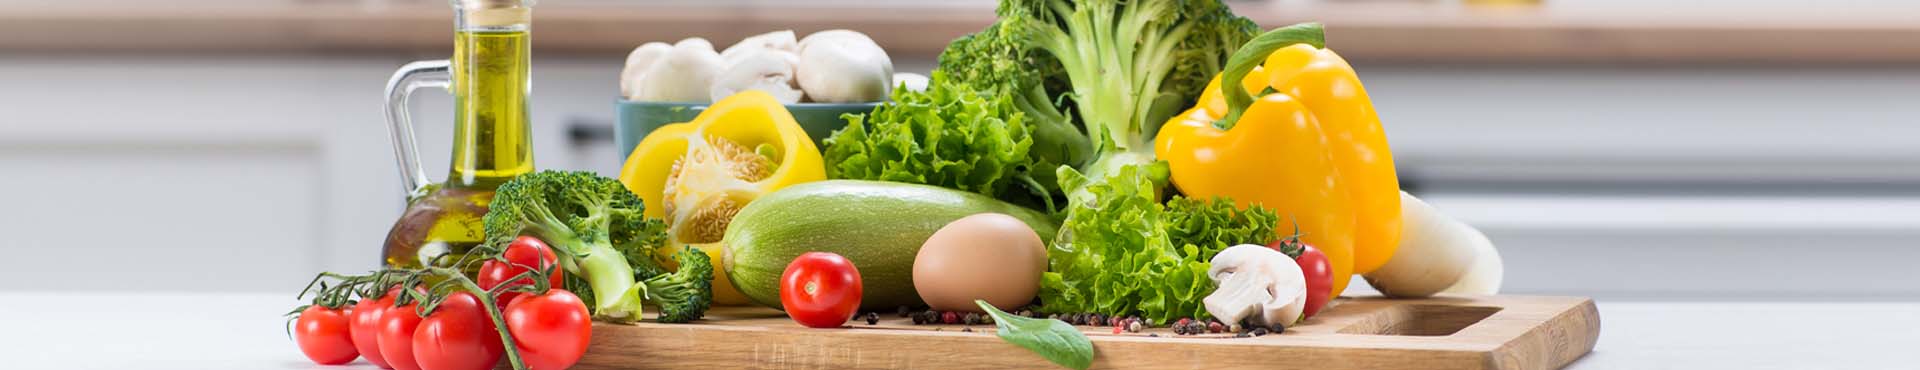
(1374, 31)
(1442, 333)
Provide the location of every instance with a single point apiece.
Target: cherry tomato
(324, 335)
(396, 336)
(365, 326)
(522, 255)
(820, 289)
(1319, 274)
(457, 336)
(551, 329)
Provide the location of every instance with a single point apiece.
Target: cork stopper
(497, 13)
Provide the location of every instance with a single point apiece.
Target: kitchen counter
(1373, 31)
(245, 331)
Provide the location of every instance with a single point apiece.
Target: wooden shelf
(1374, 31)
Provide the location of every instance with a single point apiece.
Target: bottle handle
(419, 74)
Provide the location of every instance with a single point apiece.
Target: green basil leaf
(1052, 339)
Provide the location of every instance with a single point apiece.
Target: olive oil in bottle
(489, 81)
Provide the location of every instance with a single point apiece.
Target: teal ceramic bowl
(637, 119)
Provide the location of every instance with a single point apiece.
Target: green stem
(1252, 54)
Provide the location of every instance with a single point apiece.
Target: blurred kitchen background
(1626, 150)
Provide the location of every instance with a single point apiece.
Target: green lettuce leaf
(947, 136)
(1125, 253)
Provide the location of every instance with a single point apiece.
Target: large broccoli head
(589, 220)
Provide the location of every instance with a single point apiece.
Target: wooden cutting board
(1483, 332)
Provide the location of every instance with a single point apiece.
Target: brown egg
(987, 256)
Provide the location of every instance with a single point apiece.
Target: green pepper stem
(1252, 54)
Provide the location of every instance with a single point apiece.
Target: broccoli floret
(589, 220)
(685, 294)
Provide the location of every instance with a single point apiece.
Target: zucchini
(877, 225)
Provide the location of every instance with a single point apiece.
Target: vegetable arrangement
(1078, 162)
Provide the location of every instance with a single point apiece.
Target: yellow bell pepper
(696, 175)
(1313, 149)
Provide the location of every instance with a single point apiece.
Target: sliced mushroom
(778, 40)
(768, 70)
(1256, 284)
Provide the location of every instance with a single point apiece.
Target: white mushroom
(768, 70)
(637, 63)
(1257, 284)
(842, 66)
(778, 40)
(684, 75)
(913, 81)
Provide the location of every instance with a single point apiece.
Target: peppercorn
(1242, 335)
(1277, 329)
(873, 318)
(917, 318)
(1182, 322)
(973, 318)
(967, 330)
(986, 319)
(1096, 320)
(1036, 314)
(1153, 335)
(1179, 329)
(904, 311)
(1216, 327)
(1054, 317)
(1196, 328)
(1115, 321)
(1116, 330)
(1259, 331)
(949, 318)
(1133, 326)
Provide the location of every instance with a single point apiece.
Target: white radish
(1435, 252)
(843, 66)
(1485, 276)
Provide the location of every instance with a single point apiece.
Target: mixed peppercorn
(1120, 324)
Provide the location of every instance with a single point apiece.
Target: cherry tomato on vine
(551, 329)
(820, 289)
(458, 335)
(325, 336)
(396, 336)
(522, 255)
(365, 325)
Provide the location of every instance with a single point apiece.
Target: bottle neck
(491, 81)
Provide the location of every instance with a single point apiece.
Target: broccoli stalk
(1128, 65)
(584, 217)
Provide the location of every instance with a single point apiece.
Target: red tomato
(551, 329)
(820, 290)
(324, 335)
(523, 255)
(457, 336)
(1319, 274)
(396, 336)
(365, 326)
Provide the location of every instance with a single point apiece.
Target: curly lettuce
(946, 136)
(1123, 252)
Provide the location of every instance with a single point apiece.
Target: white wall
(250, 173)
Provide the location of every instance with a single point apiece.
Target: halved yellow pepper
(1312, 149)
(696, 175)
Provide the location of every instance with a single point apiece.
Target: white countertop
(246, 331)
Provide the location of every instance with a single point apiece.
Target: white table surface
(246, 331)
